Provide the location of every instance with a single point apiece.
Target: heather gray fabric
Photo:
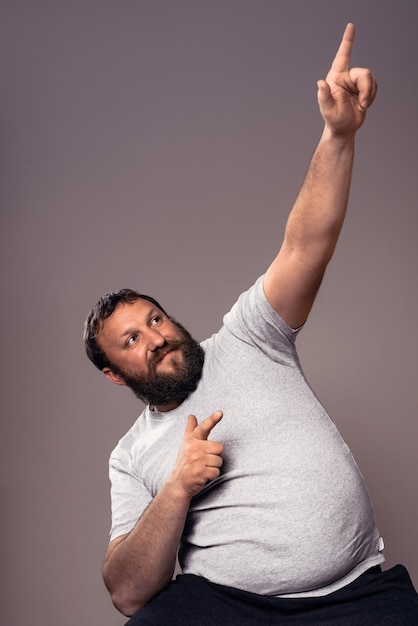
(290, 513)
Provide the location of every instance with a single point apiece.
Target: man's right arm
(140, 564)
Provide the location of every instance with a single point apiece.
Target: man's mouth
(164, 353)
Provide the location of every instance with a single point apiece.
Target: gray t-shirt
(289, 514)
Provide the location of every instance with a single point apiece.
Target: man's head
(133, 341)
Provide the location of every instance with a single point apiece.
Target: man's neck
(165, 407)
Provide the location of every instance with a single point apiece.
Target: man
(262, 498)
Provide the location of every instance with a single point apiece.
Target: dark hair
(101, 311)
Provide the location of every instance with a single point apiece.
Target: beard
(162, 388)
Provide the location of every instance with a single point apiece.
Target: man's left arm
(314, 224)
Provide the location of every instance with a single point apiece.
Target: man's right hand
(141, 563)
(198, 460)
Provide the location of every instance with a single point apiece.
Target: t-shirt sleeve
(129, 495)
(253, 320)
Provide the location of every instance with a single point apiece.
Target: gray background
(159, 145)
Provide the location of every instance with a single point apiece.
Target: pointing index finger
(202, 431)
(341, 62)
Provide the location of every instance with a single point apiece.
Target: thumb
(325, 99)
(191, 425)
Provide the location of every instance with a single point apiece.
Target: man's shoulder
(127, 440)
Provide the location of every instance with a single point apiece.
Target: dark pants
(375, 599)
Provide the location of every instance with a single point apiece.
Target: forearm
(317, 216)
(142, 563)
(312, 230)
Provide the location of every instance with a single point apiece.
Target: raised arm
(140, 564)
(314, 224)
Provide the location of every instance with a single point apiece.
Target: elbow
(125, 604)
(124, 598)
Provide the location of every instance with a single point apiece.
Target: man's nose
(154, 339)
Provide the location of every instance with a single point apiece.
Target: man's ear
(113, 377)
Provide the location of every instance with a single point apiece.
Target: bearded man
(234, 463)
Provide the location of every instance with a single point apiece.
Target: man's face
(150, 353)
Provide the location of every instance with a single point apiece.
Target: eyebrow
(129, 331)
(132, 330)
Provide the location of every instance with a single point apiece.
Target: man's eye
(131, 340)
(155, 320)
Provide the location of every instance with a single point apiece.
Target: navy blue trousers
(375, 599)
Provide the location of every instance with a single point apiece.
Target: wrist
(339, 140)
(175, 491)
